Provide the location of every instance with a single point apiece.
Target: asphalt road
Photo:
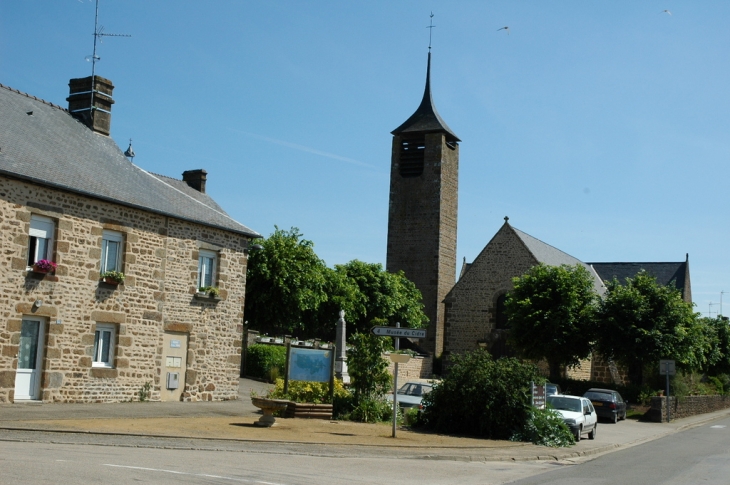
(695, 456)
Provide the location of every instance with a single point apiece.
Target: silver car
(411, 393)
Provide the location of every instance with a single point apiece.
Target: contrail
(303, 148)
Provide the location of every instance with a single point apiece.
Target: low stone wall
(416, 368)
(685, 406)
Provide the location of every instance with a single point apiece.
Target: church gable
(471, 305)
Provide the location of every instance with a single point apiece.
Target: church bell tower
(424, 179)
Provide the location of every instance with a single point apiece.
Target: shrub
(305, 391)
(265, 361)
(371, 410)
(545, 427)
(481, 396)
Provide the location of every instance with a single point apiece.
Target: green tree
(285, 282)
(717, 357)
(388, 297)
(551, 315)
(641, 322)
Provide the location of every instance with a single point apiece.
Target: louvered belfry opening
(412, 153)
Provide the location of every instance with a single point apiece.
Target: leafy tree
(641, 322)
(285, 280)
(718, 336)
(289, 290)
(551, 315)
(370, 378)
(480, 396)
(388, 297)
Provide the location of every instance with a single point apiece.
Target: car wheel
(592, 434)
(615, 418)
(623, 416)
(577, 434)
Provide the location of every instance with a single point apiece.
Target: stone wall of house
(157, 296)
(419, 367)
(685, 406)
(471, 304)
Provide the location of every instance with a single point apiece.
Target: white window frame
(111, 237)
(207, 262)
(41, 228)
(105, 333)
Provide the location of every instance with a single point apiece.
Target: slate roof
(426, 119)
(552, 256)
(42, 143)
(667, 274)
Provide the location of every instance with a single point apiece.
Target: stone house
(68, 195)
(475, 314)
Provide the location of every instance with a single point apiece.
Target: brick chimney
(196, 179)
(98, 118)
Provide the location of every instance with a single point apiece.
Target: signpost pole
(395, 384)
(669, 412)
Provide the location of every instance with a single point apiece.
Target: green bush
(265, 361)
(306, 391)
(371, 410)
(545, 427)
(481, 396)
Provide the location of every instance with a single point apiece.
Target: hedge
(265, 361)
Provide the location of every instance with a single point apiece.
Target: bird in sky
(666, 11)
(504, 28)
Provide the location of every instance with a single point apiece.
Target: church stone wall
(157, 296)
(471, 305)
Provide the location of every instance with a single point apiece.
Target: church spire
(426, 119)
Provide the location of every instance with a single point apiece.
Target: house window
(104, 341)
(111, 251)
(206, 268)
(41, 239)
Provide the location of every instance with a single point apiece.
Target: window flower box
(44, 266)
(211, 293)
(113, 278)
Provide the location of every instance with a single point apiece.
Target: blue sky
(600, 128)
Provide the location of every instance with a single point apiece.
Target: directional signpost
(667, 368)
(397, 332)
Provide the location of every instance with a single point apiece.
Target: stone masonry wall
(418, 367)
(685, 406)
(158, 295)
(471, 305)
(422, 219)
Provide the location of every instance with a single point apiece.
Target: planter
(110, 281)
(268, 406)
(207, 297)
(39, 270)
(308, 410)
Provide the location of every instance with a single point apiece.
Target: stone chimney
(196, 179)
(81, 93)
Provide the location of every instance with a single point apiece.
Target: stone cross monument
(341, 356)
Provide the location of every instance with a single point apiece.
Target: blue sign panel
(310, 364)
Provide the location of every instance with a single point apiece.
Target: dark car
(608, 403)
(552, 389)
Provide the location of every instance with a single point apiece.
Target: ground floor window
(104, 341)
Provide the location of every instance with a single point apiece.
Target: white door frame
(28, 380)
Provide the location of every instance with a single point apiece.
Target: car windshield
(564, 403)
(598, 396)
(414, 389)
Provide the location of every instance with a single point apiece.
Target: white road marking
(717, 426)
(175, 472)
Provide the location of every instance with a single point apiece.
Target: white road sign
(398, 332)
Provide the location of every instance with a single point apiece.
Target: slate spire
(426, 119)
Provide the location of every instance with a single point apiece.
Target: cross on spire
(430, 31)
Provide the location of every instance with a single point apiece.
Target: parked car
(411, 393)
(578, 413)
(608, 403)
(552, 389)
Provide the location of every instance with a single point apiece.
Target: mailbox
(173, 380)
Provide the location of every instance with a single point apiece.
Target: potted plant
(112, 277)
(210, 291)
(44, 266)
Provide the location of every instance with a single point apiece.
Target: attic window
(412, 153)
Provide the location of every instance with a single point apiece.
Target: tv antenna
(99, 34)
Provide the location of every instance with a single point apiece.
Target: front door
(30, 359)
